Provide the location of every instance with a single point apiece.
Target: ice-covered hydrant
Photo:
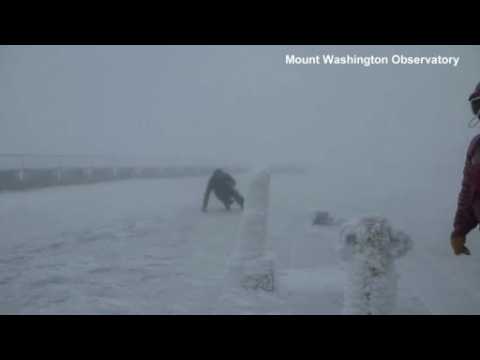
(251, 266)
(368, 247)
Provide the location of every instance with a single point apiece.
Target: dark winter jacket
(467, 216)
(222, 185)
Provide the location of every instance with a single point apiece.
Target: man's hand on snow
(458, 245)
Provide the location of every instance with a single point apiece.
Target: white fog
(385, 140)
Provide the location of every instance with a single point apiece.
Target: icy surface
(144, 247)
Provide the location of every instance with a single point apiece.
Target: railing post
(368, 248)
(251, 266)
(21, 173)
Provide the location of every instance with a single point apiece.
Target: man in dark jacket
(223, 185)
(467, 216)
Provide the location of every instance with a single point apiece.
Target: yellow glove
(458, 245)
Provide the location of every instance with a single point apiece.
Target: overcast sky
(235, 104)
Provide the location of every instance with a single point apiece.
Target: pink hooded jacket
(467, 216)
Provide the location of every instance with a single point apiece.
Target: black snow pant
(229, 196)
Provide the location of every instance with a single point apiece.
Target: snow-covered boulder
(368, 247)
(322, 218)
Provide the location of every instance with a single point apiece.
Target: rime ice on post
(251, 267)
(259, 191)
(253, 229)
(88, 173)
(368, 248)
(58, 175)
(21, 175)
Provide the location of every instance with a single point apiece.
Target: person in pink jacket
(467, 216)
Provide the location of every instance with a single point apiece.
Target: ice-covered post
(138, 171)
(58, 174)
(251, 266)
(21, 172)
(87, 173)
(59, 170)
(21, 175)
(368, 248)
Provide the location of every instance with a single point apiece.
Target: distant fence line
(29, 171)
(14, 161)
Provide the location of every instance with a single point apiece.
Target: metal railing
(20, 171)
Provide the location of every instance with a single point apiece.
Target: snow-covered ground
(144, 247)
